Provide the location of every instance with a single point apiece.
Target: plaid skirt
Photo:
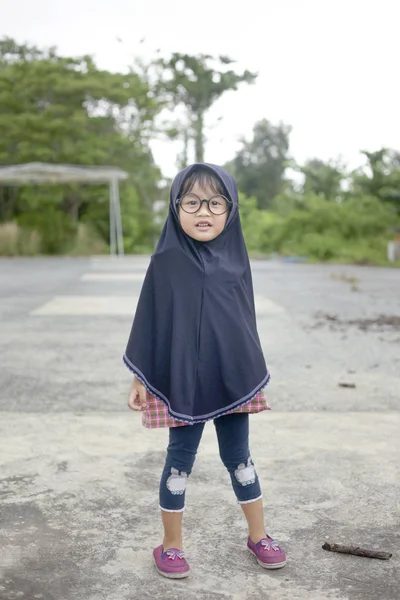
(156, 414)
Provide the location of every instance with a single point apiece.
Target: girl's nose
(204, 210)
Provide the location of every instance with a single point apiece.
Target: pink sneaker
(269, 554)
(171, 563)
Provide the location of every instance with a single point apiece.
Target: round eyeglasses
(191, 204)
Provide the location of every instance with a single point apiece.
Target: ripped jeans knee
(245, 481)
(245, 473)
(176, 482)
(172, 489)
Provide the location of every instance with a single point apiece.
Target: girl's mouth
(204, 225)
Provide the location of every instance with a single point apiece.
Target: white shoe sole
(264, 565)
(171, 575)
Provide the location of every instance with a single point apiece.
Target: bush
(355, 230)
(257, 225)
(57, 230)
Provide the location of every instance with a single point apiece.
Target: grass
(87, 242)
(353, 281)
(18, 241)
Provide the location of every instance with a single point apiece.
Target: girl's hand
(137, 396)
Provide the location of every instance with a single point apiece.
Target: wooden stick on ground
(356, 551)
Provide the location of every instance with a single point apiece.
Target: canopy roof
(46, 173)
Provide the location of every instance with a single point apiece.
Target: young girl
(196, 355)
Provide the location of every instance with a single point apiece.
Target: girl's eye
(215, 203)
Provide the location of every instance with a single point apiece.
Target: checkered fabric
(156, 413)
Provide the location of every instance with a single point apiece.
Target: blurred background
(298, 99)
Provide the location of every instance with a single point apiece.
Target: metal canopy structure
(59, 174)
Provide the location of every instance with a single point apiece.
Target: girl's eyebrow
(209, 194)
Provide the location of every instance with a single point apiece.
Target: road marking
(115, 263)
(113, 277)
(88, 305)
(122, 305)
(266, 307)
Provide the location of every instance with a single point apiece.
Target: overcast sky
(328, 68)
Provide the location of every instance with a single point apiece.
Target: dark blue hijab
(194, 341)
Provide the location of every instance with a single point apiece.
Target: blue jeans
(233, 440)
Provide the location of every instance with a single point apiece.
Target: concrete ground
(79, 474)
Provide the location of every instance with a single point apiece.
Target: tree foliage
(61, 109)
(196, 82)
(380, 177)
(322, 178)
(259, 165)
(58, 109)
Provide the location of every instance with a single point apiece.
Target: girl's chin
(202, 236)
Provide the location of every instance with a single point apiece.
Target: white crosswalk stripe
(115, 264)
(121, 305)
(113, 277)
(88, 305)
(265, 306)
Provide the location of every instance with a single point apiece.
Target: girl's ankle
(171, 543)
(256, 536)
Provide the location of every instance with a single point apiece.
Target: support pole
(112, 220)
(118, 219)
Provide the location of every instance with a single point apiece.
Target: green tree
(62, 109)
(196, 82)
(59, 109)
(322, 178)
(380, 177)
(259, 166)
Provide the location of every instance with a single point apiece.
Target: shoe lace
(272, 545)
(172, 554)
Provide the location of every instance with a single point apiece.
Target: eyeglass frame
(229, 204)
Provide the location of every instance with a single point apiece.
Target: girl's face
(203, 226)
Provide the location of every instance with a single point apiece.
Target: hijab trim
(200, 418)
